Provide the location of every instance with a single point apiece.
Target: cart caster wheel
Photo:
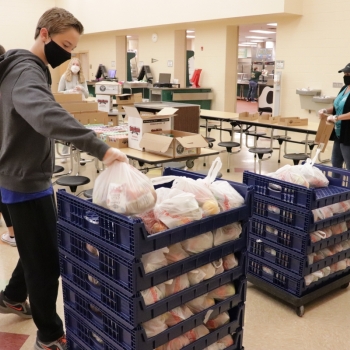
(210, 145)
(97, 171)
(144, 171)
(344, 286)
(300, 310)
(190, 164)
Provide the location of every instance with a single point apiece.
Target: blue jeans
(340, 154)
(252, 90)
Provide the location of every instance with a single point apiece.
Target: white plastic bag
(229, 262)
(226, 195)
(198, 243)
(227, 233)
(155, 326)
(154, 260)
(223, 292)
(289, 174)
(175, 253)
(153, 294)
(201, 303)
(313, 175)
(218, 321)
(124, 189)
(178, 315)
(197, 333)
(177, 285)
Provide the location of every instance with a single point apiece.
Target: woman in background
(73, 80)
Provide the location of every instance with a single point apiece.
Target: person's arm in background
(62, 84)
(83, 88)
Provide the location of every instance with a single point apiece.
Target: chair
(229, 145)
(296, 157)
(260, 151)
(280, 139)
(265, 100)
(88, 193)
(72, 182)
(58, 169)
(210, 141)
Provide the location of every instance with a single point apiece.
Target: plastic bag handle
(163, 179)
(214, 170)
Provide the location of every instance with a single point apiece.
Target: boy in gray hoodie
(30, 121)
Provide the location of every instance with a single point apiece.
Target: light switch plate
(338, 85)
(170, 63)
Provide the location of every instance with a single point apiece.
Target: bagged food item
(223, 292)
(313, 277)
(201, 273)
(218, 321)
(226, 196)
(227, 233)
(339, 228)
(322, 213)
(225, 342)
(177, 343)
(153, 294)
(213, 346)
(178, 315)
(198, 243)
(154, 260)
(91, 249)
(341, 207)
(175, 253)
(312, 175)
(124, 189)
(289, 174)
(345, 244)
(155, 326)
(179, 209)
(230, 262)
(219, 266)
(201, 303)
(317, 236)
(336, 248)
(178, 284)
(196, 333)
(152, 224)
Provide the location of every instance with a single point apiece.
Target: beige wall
(314, 48)
(18, 20)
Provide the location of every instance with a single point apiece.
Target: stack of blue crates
(104, 308)
(279, 240)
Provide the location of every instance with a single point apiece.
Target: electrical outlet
(338, 85)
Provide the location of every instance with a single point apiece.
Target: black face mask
(55, 54)
(346, 80)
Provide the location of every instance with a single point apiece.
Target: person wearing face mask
(339, 114)
(73, 79)
(30, 122)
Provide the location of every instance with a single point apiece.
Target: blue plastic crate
(308, 198)
(114, 337)
(291, 216)
(131, 310)
(129, 236)
(288, 259)
(104, 320)
(130, 275)
(292, 239)
(285, 280)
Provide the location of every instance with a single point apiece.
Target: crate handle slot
(274, 187)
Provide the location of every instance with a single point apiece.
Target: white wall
(18, 20)
(107, 15)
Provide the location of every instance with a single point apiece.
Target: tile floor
(270, 324)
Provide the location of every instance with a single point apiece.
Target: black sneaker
(8, 306)
(59, 344)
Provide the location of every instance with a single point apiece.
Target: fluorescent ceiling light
(262, 31)
(189, 31)
(272, 24)
(248, 44)
(256, 37)
(256, 41)
(190, 36)
(245, 45)
(128, 36)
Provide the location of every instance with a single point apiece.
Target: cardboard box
(293, 121)
(91, 117)
(173, 143)
(268, 119)
(121, 142)
(248, 116)
(108, 88)
(104, 103)
(324, 132)
(77, 107)
(128, 99)
(146, 122)
(112, 120)
(62, 98)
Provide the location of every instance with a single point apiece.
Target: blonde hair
(68, 73)
(56, 21)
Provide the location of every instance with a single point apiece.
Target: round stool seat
(281, 137)
(176, 165)
(72, 181)
(229, 145)
(209, 139)
(255, 133)
(260, 150)
(296, 157)
(88, 193)
(205, 172)
(57, 169)
(309, 142)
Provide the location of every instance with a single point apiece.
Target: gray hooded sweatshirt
(30, 121)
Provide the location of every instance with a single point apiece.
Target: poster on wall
(242, 52)
(264, 54)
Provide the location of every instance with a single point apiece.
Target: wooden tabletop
(311, 128)
(152, 158)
